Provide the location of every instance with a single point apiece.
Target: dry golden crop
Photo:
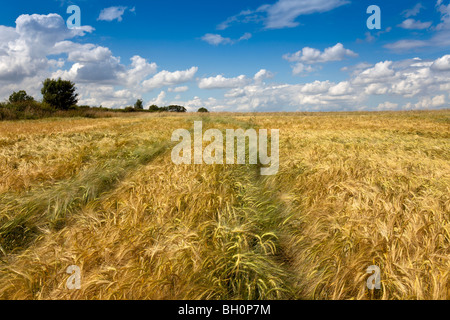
(353, 190)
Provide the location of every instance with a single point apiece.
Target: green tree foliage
(59, 93)
(203, 110)
(154, 108)
(139, 105)
(174, 108)
(20, 96)
(130, 109)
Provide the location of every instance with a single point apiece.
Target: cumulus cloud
(167, 78)
(160, 100)
(27, 54)
(381, 70)
(300, 68)
(262, 74)
(220, 82)
(101, 77)
(24, 49)
(308, 56)
(442, 64)
(311, 55)
(427, 102)
(342, 88)
(416, 80)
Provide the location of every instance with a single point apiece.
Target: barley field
(353, 190)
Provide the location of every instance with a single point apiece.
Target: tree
(175, 108)
(20, 96)
(153, 108)
(138, 105)
(203, 110)
(59, 93)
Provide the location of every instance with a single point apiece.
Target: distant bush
(203, 110)
(20, 96)
(129, 109)
(154, 108)
(171, 108)
(24, 110)
(60, 100)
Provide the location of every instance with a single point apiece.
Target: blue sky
(246, 55)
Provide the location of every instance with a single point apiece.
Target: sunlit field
(353, 190)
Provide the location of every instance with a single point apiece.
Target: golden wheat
(353, 190)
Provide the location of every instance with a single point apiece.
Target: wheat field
(353, 190)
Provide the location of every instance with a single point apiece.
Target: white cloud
(100, 76)
(220, 82)
(217, 39)
(405, 45)
(445, 17)
(245, 16)
(382, 71)
(342, 88)
(412, 24)
(102, 79)
(89, 53)
(139, 70)
(413, 79)
(311, 55)
(179, 89)
(376, 89)
(283, 13)
(262, 74)
(427, 102)
(112, 13)
(300, 68)
(442, 64)
(24, 49)
(159, 100)
(316, 87)
(245, 36)
(307, 56)
(166, 78)
(387, 106)
(106, 95)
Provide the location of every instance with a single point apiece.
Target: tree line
(59, 98)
